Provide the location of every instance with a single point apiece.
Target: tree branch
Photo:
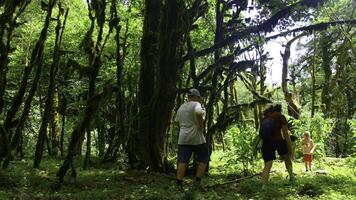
(266, 26)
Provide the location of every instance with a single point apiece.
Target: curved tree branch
(293, 109)
(266, 26)
(231, 115)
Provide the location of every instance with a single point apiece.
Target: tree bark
(101, 141)
(4, 147)
(7, 26)
(162, 34)
(55, 124)
(63, 108)
(93, 100)
(313, 82)
(88, 152)
(119, 98)
(36, 59)
(50, 91)
(149, 53)
(293, 109)
(325, 45)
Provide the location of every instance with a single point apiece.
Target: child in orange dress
(308, 149)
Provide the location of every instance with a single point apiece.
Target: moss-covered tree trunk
(36, 60)
(50, 91)
(11, 11)
(219, 36)
(149, 52)
(88, 151)
(92, 103)
(313, 82)
(3, 145)
(325, 46)
(162, 34)
(63, 108)
(55, 124)
(293, 109)
(6, 19)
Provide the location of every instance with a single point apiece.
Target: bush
(241, 142)
(319, 128)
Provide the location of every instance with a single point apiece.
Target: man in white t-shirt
(191, 138)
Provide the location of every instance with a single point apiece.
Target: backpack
(267, 128)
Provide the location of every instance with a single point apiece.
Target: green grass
(21, 181)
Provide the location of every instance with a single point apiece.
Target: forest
(90, 90)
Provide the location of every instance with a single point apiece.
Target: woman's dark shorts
(185, 152)
(269, 149)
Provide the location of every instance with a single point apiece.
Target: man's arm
(199, 113)
(200, 122)
(286, 136)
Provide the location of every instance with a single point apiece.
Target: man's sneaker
(179, 185)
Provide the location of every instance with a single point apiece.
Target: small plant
(241, 140)
(310, 190)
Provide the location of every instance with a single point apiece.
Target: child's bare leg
(310, 165)
(306, 165)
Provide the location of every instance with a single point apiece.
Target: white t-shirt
(189, 133)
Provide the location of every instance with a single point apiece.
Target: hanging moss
(265, 27)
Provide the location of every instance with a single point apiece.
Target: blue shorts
(185, 152)
(269, 149)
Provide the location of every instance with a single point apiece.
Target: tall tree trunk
(325, 45)
(63, 109)
(101, 141)
(93, 100)
(4, 147)
(55, 121)
(119, 99)
(219, 36)
(158, 77)
(313, 83)
(7, 25)
(88, 152)
(51, 89)
(149, 62)
(293, 109)
(192, 63)
(36, 59)
(111, 139)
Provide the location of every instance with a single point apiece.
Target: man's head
(277, 108)
(272, 108)
(268, 110)
(193, 94)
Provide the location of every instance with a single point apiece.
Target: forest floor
(21, 181)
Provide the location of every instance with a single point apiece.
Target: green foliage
(21, 181)
(240, 141)
(352, 141)
(319, 128)
(309, 189)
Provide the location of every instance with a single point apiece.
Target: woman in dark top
(278, 140)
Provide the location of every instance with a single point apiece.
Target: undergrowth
(109, 181)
